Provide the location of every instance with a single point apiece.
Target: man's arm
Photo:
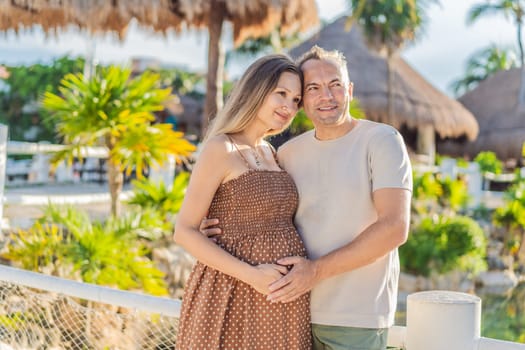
(388, 232)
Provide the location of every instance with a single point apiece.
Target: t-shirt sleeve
(389, 164)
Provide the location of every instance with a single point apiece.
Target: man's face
(326, 94)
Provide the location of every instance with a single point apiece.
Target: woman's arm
(212, 167)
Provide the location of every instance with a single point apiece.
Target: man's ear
(351, 90)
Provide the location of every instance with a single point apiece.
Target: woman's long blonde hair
(249, 93)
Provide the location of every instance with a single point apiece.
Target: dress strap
(274, 152)
(239, 152)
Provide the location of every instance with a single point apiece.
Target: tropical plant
(514, 9)
(387, 25)
(23, 87)
(157, 196)
(483, 64)
(435, 194)
(503, 315)
(511, 216)
(113, 110)
(488, 162)
(442, 244)
(65, 243)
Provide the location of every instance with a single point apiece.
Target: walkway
(24, 204)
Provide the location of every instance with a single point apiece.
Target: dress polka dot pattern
(256, 213)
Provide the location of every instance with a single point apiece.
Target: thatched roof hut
(94, 16)
(501, 118)
(249, 17)
(416, 102)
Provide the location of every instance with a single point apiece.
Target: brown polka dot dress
(220, 312)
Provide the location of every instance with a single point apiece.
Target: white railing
(44, 312)
(135, 301)
(92, 168)
(37, 169)
(436, 320)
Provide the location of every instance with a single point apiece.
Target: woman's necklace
(256, 157)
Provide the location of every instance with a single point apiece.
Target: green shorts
(348, 338)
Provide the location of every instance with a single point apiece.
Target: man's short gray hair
(318, 53)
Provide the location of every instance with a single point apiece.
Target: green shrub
(489, 162)
(65, 243)
(434, 194)
(511, 216)
(158, 197)
(444, 244)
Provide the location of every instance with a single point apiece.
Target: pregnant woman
(238, 180)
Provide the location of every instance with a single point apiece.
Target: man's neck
(332, 132)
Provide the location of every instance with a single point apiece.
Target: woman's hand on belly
(266, 274)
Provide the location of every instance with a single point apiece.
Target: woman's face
(281, 105)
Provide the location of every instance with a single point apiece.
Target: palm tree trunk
(115, 182)
(215, 63)
(521, 97)
(520, 43)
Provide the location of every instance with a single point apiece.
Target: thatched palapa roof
(415, 101)
(501, 119)
(249, 17)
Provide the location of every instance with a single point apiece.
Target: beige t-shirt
(335, 180)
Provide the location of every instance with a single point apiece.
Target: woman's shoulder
(221, 141)
(217, 146)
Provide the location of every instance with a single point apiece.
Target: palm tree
(509, 8)
(483, 64)
(388, 25)
(114, 111)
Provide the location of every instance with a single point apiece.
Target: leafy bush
(113, 110)
(489, 162)
(65, 243)
(25, 85)
(503, 315)
(433, 193)
(157, 196)
(444, 244)
(512, 217)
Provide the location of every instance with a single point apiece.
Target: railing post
(448, 168)
(164, 172)
(40, 167)
(438, 320)
(3, 160)
(474, 183)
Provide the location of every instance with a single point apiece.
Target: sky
(440, 54)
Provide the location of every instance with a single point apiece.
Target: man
(354, 183)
